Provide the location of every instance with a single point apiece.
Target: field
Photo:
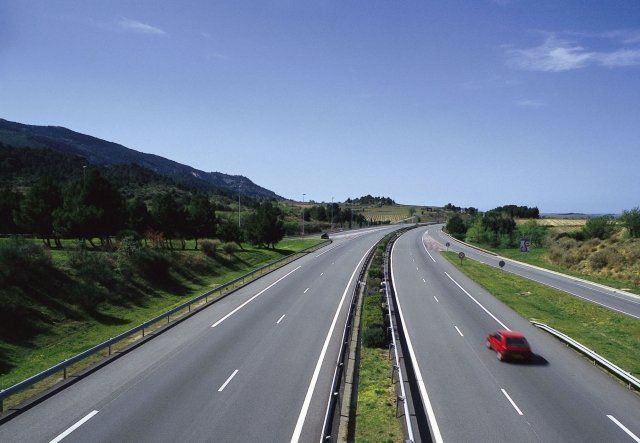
(558, 225)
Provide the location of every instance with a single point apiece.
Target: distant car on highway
(509, 344)
(324, 236)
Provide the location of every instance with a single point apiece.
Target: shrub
(230, 248)
(375, 272)
(93, 267)
(209, 247)
(375, 336)
(151, 263)
(128, 233)
(598, 260)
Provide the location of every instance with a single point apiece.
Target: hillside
(104, 153)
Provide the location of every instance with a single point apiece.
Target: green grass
(376, 419)
(613, 335)
(538, 257)
(19, 360)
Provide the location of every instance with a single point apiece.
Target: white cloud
(557, 55)
(142, 28)
(528, 103)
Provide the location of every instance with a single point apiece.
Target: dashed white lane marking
(436, 299)
(423, 280)
(305, 291)
(280, 319)
(321, 274)
(477, 302)
(458, 331)
(416, 269)
(254, 297)
(75, 426)
(224, 385)
(515, 406)
(624, 428)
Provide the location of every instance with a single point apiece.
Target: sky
(478, 103)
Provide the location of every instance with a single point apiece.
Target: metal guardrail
(332, 417)
(394, 343)
(242, 280)
(616, 370)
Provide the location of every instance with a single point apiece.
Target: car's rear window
(516, 341)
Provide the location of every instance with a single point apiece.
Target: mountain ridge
(103, 153)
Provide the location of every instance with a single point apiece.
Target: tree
(228, 231)
(265, 226)
(138, 216)
(9, 204)
(91, 207)
(37, 208)
(456, 227)
(168, 215)
(599, 227)
(631, 221)
(201, 218)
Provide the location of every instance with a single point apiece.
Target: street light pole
(239, 186)
(331, 214)
(303, 194)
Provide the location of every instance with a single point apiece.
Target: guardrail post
(64, 373)
(167, 318)
(143, 332)
(110, 349)
(1, 405)
(398, 400)
(390, 346)
(189, 307)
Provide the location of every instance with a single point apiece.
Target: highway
(616, 300)
(471, 396)
(255, 366)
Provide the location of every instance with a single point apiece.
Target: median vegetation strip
(376, 419)
(53, 309)
(614, 336)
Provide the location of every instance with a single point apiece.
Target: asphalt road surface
(612, 299)
(256, 366)
(469, 394)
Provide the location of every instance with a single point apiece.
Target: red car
(509, 344)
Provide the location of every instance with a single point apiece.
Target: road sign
(524, 245)
(447, 244)
(501, 263)
(461, 255)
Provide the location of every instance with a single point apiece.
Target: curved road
(469, 394)
(625, 303)
(256, 366)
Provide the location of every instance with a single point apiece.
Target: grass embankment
(59, 310)
(613, 335)
(376, 419)
(539, 256)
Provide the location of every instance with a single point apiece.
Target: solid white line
(305, 291)
(624, 428)
(253, 298)
(224, 385)
(314, 378)
(433, 423)
(512, 402)
(74, 427)
(280, 319)
(430, 256)
(478, 303)
(330, 249)
(459, 331)
(436, 299)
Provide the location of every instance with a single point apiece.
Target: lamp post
(303, 194)
(331, 214)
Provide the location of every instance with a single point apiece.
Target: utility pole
(84, 174)
(303, 194)
(239, 186)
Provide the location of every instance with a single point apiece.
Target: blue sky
(477, 102)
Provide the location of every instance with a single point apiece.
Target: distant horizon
(477, 102)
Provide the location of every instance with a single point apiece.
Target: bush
(375, 336)
(376, 272)
(598, 260)
(151, 263)
(209, 247)
(18, 255)
(93, 267)
(230, 248)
